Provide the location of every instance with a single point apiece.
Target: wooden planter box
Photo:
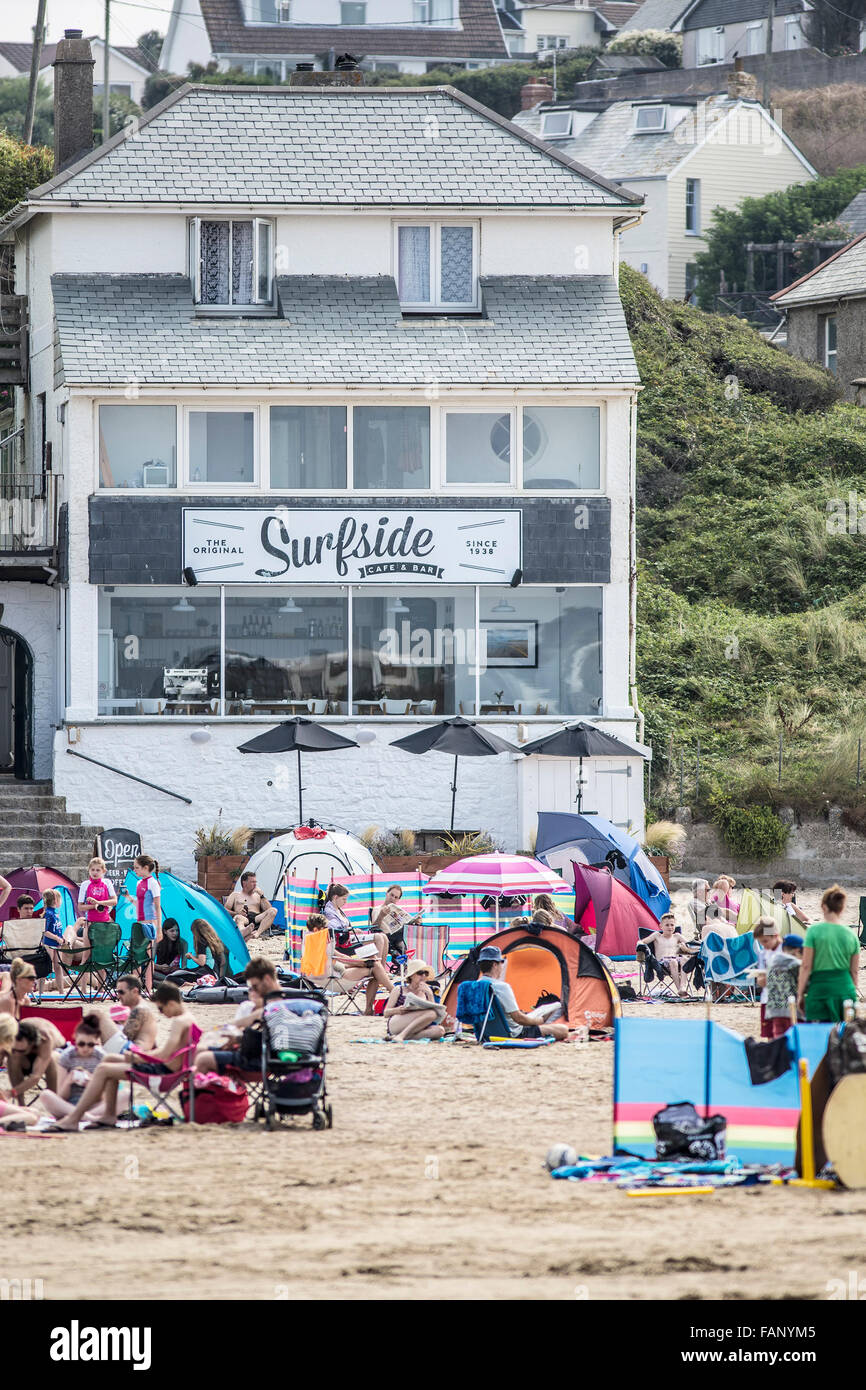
(663, 864)
(218, 876)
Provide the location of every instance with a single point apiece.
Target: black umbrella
(301, 736)
(580, 740)
(459, 737)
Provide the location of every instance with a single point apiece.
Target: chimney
(73, 100)
(344, 72)
(534, 92)
(742, 85)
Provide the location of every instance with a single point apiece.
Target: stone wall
(798, 70)
(818, 852)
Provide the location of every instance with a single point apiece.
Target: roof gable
(329, 146)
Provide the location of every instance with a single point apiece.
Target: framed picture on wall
(511, 643)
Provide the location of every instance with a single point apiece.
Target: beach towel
(473, 1000)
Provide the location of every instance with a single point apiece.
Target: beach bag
(681, 1133)
(219, 1100)
(846, 1049)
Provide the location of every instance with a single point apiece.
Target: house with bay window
(339, 404)
(270, 37)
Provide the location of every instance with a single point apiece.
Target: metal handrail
(130, 775)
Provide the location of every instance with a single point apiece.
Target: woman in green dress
(831, 963)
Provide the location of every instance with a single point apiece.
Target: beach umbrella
(581, 740)
(497, 876)
(298, 735)
(564, 837)
(459, 738)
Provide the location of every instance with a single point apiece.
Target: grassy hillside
(751, 603)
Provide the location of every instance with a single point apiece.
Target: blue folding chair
(729, 964)
(478, 1006)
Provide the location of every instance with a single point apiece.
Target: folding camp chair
(729, 964)
(162, 1085)
(139, 957)
(100, 961)
(65, 1017)
(654, 981)
(22, 936)
(478, 1005)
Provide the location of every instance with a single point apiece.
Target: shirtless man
(251, 910)
(32, 1056)
(113, 1069)
(141, 1022)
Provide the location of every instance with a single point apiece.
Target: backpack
(681, 1133)
(846, 1049)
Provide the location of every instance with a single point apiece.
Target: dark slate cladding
(713, 12)
(63, 544)
(138, 541)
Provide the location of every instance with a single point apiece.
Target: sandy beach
(430, 1185)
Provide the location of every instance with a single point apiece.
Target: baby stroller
(294, 1053)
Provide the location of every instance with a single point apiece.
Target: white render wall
(320, 244)
(371, 785)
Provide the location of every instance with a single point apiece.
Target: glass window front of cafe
(390, 649)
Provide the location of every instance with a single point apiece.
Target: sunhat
(414, 966)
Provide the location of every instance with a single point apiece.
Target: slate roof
(478, 37)
(336, 330)
(712, 12)
(854, 215)
(370, 146)
(617, 13)
(610, 140)
(657, 14)
(19, 55)
(841, 276)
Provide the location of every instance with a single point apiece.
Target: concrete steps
(36, 828)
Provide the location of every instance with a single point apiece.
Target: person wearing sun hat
(411, 1010)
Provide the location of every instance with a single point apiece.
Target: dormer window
(433, 11)
(231, 262)
(437, 267)
(556, 125)
(648, 120)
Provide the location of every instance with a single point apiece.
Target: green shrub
(751, 832)
(653, 43)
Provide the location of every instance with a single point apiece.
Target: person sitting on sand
(491, 966)
(169, 955)
(12, 1115)
(407, 1020)
(204, 940)
(33, 1056)
(250, 908)
(543, 902)
(15, 986)
(667, 947)
(76, 1062)
(243, 1049)
(785, 892)
(132, 1020)
(114, 1067)
(722, 909)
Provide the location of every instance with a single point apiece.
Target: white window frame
(556, 134)
(696, 208)
(434, 305)
(831, 365)
(239, 407)
(260, 410)
(756, 29)
(256, 306)
(651, 129)
(717, 31)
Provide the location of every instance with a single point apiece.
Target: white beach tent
(328, 855)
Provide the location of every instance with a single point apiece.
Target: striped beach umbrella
(497, 876)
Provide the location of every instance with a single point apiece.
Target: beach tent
(34, 880)
(610, 909)
(330, 856)
(659, 1062)
(551, 960)
(184, 901)
(564, 837)
(754, 904)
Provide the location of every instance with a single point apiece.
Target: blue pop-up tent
(564, 836)
(184, 901)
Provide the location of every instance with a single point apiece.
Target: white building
(718, 31)
(272, 36)
(353, 360)
(128, 67)
(687, 155)
(553, 26)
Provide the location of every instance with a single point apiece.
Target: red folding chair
(162, 1085)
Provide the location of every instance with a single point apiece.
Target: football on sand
(560, 1156)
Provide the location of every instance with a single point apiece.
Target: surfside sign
(251, 545)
